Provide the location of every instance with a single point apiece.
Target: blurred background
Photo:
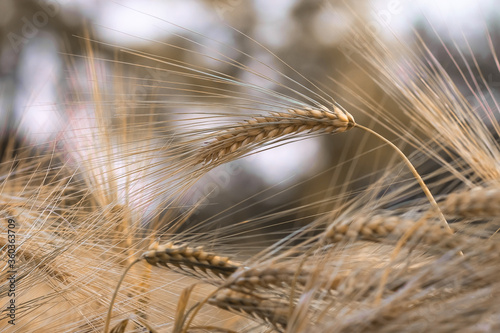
(42, 77)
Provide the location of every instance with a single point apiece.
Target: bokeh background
(42, 76)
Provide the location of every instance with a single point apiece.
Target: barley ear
(477, 202)
(239, 139)
(183, 256)
(382, 227)
(267, 310)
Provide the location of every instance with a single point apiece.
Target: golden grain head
(259, 130)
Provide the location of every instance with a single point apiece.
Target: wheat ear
(257, 130)
(183, 256)
(266, 278)
(477, 202)
(380, 227)
(236, 141)
(271, 312)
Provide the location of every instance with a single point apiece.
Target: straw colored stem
(419, 179)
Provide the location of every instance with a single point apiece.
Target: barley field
(231, 166)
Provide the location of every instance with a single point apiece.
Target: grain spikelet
(276, 278)
(477, 202)
(183, 256)
(271, 312)
(239, 139)
(265, 277)
(383, 228)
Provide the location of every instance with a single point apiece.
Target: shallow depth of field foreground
(227, 166)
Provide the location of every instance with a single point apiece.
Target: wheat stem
(115, 293)
(415, 173)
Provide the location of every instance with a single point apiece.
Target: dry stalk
(115, 293)
(183, 256)
(477, 202)
(271, 312)
(415, 173)
(257, 130)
